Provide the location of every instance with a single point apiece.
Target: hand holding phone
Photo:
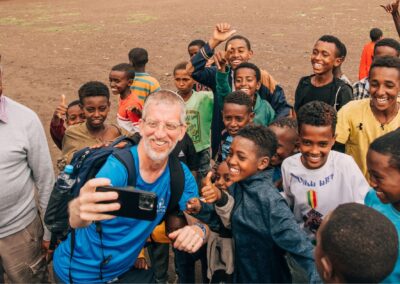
(135, 203)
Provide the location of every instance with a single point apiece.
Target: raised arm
(393, 8)
(197, 65)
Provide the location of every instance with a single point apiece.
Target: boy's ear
(258, 85)
(252, 114)
(130, 82)
(250, 53)
(333, 140)
(338, 61)
(263, 163)
(327, 270)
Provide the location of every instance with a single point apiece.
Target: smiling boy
(129, 106)
(362, 121)
(237, 112)
(317, 180)
(263, 227)
(322, 85)
(94, 98)
(383, 160)
(73, 115)
(247, 78)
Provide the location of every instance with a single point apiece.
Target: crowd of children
(282, 188)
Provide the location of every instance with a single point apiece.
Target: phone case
(135, 203)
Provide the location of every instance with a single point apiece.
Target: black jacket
(341, 93)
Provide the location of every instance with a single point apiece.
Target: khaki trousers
(21, 256)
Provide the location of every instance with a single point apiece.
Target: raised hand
(210, 192)
(391, 7)
(221, 58)
(221, 33)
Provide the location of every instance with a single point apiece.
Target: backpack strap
(126, 158)
(177, 179)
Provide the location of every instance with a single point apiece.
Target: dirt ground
(51, 47)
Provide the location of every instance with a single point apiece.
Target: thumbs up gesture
(210, 192)
(61, 109)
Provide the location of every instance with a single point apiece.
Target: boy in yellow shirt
(360, 122)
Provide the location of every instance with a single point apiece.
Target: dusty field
(51, 47)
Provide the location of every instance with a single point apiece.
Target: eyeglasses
(171, 126)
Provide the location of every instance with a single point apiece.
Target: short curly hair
(317, 113)
(264, 139)
(93, 89)
(239, 98)
(361, 243)
(285, 122)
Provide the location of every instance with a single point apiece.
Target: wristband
(203, 228)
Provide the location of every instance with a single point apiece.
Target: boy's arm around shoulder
(222, 88)
(269, 112)
(288, 235)
(197, 65)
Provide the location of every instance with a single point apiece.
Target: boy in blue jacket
(263, 227)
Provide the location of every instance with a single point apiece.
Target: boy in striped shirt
(144, 84)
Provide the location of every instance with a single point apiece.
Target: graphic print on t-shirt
(313, 219)
(193, 125)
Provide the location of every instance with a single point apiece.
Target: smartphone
(135, 203)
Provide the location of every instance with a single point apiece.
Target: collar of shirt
(3, 112)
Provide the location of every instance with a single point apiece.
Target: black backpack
(87, 162)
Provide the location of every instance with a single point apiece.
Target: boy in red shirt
(129, 106)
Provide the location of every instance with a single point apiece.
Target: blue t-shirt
(372, 200)
(123, 238)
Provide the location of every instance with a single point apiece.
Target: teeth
(317, 65)
(234, 171)
(314, 159)
(382, 100)
(159, 143)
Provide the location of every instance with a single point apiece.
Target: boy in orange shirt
(368, 53)
(129, 106)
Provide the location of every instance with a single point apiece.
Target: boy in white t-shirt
(317, 180)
